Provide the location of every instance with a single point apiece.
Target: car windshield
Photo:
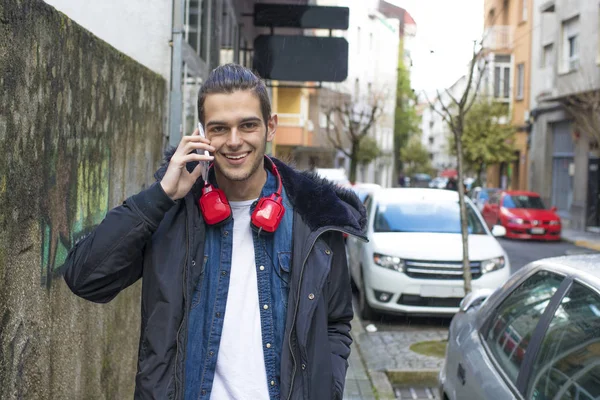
(531, 202)
(425, 216)
(362, 194)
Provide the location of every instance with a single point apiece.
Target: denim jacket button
(266, 307)
(193, 263)
(328, 252)
(311, 296)
(303, 366)
(262, 267)
(268, 345)
(272, 383)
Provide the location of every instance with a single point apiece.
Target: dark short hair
(229, 78)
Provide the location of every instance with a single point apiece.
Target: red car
(523, 215)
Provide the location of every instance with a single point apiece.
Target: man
(229, 309)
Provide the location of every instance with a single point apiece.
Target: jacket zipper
(298, 299)
(187, 245)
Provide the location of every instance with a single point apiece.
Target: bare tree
(349, 121)
(453, 113)
(584, 107)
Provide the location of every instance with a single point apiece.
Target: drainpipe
(175, 94)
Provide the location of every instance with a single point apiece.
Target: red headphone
(266, 216)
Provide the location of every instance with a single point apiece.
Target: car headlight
(518, 221)
(492, 264)
(389, 262)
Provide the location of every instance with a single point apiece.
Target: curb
(592, 245)
(589, 245)
(379, 380)
(424, 377)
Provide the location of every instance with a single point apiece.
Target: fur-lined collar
(320, 202)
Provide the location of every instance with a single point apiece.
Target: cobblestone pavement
(390, 350)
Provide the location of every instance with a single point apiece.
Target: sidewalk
(358, 385)
(582, 238)
(384, 358)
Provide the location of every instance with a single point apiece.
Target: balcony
(499, 37)
(294, 130)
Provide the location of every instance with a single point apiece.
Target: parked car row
(532, 335)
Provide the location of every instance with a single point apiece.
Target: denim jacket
(272, 257)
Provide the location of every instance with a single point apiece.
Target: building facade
(564, 158)
(508, 25)
(182, 40)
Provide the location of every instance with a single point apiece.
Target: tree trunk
(353, 162)
(463, 207)
(479, 172)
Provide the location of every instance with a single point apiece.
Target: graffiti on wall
(76, 199)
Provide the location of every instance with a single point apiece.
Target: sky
(443, 45)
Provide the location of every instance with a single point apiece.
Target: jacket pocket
(197, 296)
(285, 258)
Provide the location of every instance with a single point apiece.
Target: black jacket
(151, 237)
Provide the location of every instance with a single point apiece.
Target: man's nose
(234, 138)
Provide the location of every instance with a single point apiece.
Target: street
(387, 347)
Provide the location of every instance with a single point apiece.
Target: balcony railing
(499, 37)
(295, 120)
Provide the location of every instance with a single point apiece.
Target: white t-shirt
(241, 372)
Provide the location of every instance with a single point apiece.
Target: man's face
(235, 128)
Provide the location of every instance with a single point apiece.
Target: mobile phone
(206, 153)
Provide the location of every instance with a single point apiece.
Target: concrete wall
(139, 28)
(80, 129)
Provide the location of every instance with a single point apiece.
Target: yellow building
(507, 44)
(298, 139)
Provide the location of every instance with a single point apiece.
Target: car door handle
(461, 374)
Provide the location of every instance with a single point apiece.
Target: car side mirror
(554, 209)
(498, 231)
(474, 299)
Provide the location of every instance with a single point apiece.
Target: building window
(520, 80)
(570, 45)
(524, 10)
(548, 56)
(431, 139)
(502, 81)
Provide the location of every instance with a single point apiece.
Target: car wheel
(366, 312)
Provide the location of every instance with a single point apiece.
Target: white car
(335, 175)
(412, 263)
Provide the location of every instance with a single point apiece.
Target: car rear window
(425, 216)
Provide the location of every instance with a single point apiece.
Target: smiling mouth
(237, 157)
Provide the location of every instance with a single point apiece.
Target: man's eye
(250, 125)
(218, 129)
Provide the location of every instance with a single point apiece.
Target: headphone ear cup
(214, 206)
(268, 213)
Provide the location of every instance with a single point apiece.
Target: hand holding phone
(178, 181)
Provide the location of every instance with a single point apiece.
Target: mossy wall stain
(81, 129)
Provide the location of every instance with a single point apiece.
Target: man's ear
(272, 127)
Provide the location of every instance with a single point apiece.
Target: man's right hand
(177, 181)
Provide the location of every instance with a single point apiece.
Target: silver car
(537, 337)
